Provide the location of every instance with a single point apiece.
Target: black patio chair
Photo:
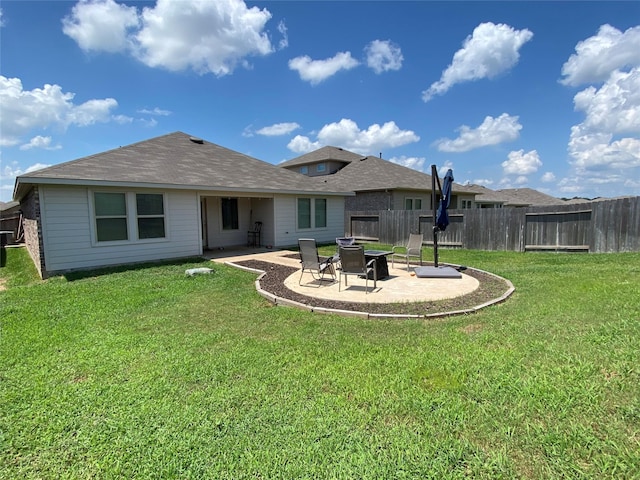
(313, 263)
(342, 242)
(253, 236)
(354, 263)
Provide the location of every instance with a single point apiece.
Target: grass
(148, 373)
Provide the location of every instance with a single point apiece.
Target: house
(512, 197)
(173, 196)
(379, 184)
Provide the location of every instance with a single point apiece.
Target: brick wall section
(32, 224)
(369, 201)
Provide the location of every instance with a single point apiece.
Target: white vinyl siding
(69, 238)
(285, 213)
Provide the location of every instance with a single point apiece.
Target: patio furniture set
(353, 260)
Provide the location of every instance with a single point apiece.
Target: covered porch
(227, 219)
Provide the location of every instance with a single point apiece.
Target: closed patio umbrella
(442, 218)
(440, 223)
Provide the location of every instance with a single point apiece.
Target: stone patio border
(279, 301)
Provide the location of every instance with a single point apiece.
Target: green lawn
(148, 373)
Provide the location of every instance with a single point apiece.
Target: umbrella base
(437, 272)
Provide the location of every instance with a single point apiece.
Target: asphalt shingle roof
(366, 173)
(514, 197)
(175, 160)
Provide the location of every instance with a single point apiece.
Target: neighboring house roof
(322, 155)
(528, 197)
(514, 197)
(578, 200)
(366, 173)
(486, 195)
(6, 206)
(175, 160)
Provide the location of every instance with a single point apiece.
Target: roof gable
(374, 173)
(322, 155)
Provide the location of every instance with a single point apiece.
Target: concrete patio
(400, 286)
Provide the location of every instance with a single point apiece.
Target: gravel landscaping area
(490, 288)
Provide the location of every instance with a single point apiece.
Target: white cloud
(22, 111)
(442, 171)
(13, 170)
(383, 56)
(155, 111)
(284, 42)
(598, 56)
(316, 71)
(600, 185)
(597, 151)
(91, 111)
(347, 134)
(481, 181)
(149, 123)
(491, 50)
(521, 180)
(101, 25)
(8, 176)
(492, 131)
(416, 163)
(278, 129)
(614, 107)
(611, 111)
(604, 149)
(520, 163)
(302, 144)
(40, 142)
(1, 18)
(122, 119)
(548, 177)
(205, 36)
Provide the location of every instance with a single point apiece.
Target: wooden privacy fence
(11, 223)
(598, 226)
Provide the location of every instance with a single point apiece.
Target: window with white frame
(467, 203)
(321, 167)
(304, 170)
(413, 203)
(115, 222)
(312, 213)
(150, 212)
(111, 216)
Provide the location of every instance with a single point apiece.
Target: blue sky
(543, 95)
